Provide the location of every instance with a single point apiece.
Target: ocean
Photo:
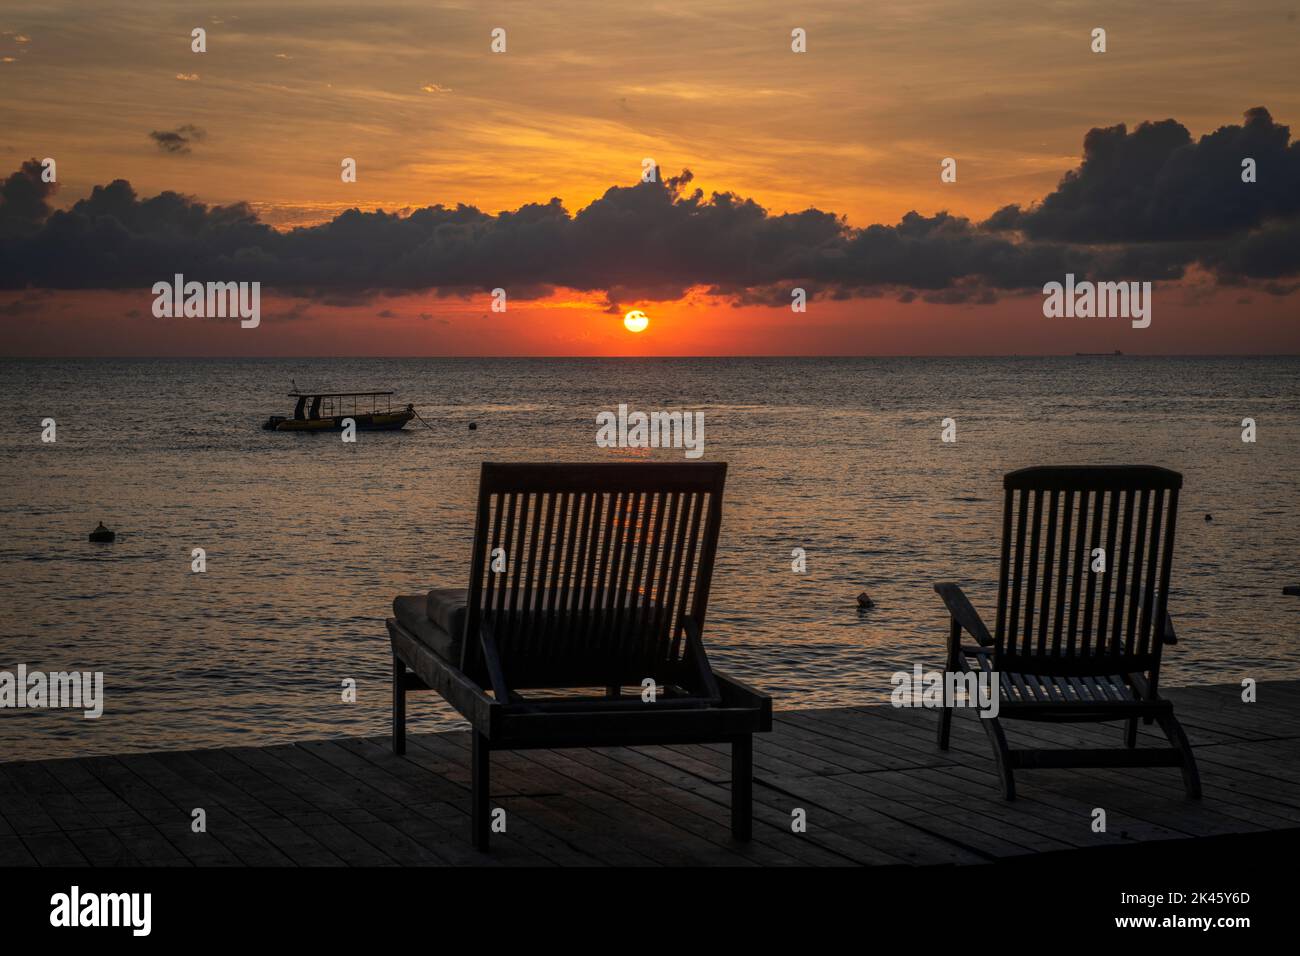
(308, 538)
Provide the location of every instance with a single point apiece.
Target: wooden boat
(327, 411)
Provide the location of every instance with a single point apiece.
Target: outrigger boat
(326, 411)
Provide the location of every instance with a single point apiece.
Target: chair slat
(668, 572)
(1120, 577)
(620, 598)
(595, 620)
(530, 600)
(1086, 640)
(1032, 585)
(492, 587)
(1135, 589)
(1166, 567)
(1049, 553)
(1001, 623)
(679, 609)
(1152, 573)
(1081, 571)
(645, 585)
(1063, 572)
(1013, 613)
(1100, 644)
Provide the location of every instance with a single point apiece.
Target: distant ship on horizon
(1094, 354)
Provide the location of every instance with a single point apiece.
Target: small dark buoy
(865, 602)
(473, 426)
(102, 534)
(1209, 517)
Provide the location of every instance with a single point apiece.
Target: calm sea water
(308, 538)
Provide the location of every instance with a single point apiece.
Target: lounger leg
(742, 787)
(945, 715)
(479, 821)
(399, 706)
(1174, 731)
(1131, 733)
(1002, 754)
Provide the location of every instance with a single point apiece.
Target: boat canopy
(335, 394)
(313, 405)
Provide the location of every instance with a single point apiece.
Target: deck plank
(875, 788)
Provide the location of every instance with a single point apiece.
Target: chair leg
(1131, 733)
(1174, 731)
(480, 825)
(742, 787)
(945, 715)
(1002, 754)
(399, 706)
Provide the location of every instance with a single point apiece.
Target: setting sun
(636, 321)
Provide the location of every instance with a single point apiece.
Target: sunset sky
(828, 163)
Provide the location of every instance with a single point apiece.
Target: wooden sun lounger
(582, 577)
(1070, 643)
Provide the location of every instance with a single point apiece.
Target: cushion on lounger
(438, 618)
(411, 612)
(446, 608)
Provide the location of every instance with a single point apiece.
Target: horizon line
(773, 355)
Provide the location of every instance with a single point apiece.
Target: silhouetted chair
(1071, 643)
(582, 576)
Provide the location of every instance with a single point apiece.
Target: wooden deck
(875, 788)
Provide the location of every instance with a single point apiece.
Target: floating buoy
(865, 602)
(102, 534)
(473, 426)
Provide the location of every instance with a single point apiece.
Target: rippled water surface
(308, 538)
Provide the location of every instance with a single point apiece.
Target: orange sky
(585, 92)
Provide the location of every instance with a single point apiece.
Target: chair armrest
(964, 613)
(697, 656)
(447, 679)
(1169, 636)
(492, 661)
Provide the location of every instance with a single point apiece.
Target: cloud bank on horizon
(1148, 204)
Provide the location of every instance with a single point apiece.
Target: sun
(635, 321)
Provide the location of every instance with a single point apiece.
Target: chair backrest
(1056, 615)
(597, 569)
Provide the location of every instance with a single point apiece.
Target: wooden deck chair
(1071, 643)
(588, 578)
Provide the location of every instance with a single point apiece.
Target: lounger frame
(604, 584)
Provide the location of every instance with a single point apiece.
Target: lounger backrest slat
(586, 575)
(1087, 554)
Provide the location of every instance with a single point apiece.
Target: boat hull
(378, 422)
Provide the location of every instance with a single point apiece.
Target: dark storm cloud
(1143, 205)
(1157, 185)
(177, 141)
(23, 199)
